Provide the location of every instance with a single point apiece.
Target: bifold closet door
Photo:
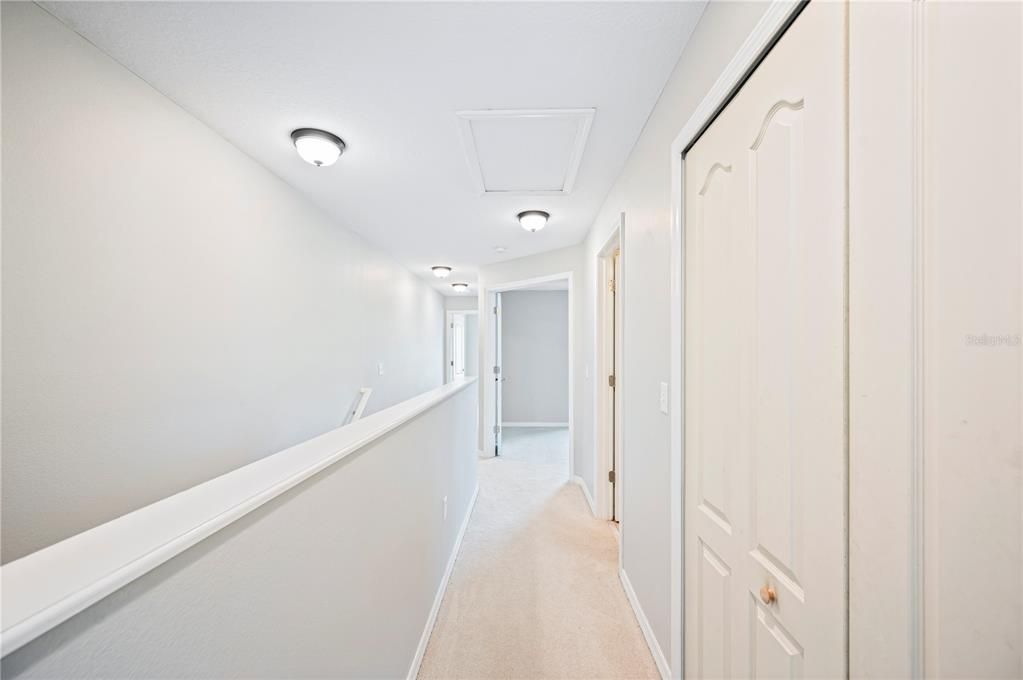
(766, 350)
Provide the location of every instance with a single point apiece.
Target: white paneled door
(766, 391)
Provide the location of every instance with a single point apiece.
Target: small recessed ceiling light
(440, 271)
(500, 249)
(534, 220)
(460, 287)
(318, 147)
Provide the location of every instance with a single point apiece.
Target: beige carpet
(535, 590)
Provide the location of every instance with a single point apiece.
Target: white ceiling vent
(536, 151)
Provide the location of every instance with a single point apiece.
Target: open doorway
(531, 373)
(462, 360)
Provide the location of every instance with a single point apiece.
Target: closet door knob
(767, 595)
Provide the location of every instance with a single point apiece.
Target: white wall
(457, 303)
(303, 587)
(472, 345)
(643, 193)
(171, 309)
(534, 356)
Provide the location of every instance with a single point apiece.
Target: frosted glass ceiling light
(534, 220)
(440, 271)
(317, 147)
(460, 287)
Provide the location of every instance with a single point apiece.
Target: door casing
(778, 16)
(609, 403)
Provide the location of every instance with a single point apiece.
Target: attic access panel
(533, 151)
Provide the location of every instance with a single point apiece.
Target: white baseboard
(644, 625)
(424, 640)
(586, 492)
(507, 424)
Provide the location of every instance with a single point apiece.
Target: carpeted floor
(535, 590)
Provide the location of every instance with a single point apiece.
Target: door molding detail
(710, 175)
(791, 106)
(917, 483)
(772, 24)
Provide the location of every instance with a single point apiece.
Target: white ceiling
(390, 78)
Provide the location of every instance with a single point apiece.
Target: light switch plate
(664, 397)
(380, 368)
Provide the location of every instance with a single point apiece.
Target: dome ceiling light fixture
(440, 271)
(533, 220)
(460, 287)
(318, 147)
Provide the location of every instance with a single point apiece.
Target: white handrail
(360, 406)
(44, 589)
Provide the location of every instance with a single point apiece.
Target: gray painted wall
(534, 356)
(299, 588)
(643, 193)
(171, 309)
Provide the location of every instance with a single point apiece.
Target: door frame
(775, 20)
(497, 347)
(603, 409)
(449, 316)
(487, 387)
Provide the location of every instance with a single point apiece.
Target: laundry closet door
(765, 358)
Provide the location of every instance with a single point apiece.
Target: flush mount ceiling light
(440, 271)
(317, 147)
(460, 287)
(533, 220)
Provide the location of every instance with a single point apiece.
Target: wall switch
(445, 507)
(380, 368)
(664, 397)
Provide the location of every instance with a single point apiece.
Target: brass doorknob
(768, 595)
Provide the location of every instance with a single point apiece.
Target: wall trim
(644, 625)
(534, 424)
(431, 620)
(763, 36)
(586, 492)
